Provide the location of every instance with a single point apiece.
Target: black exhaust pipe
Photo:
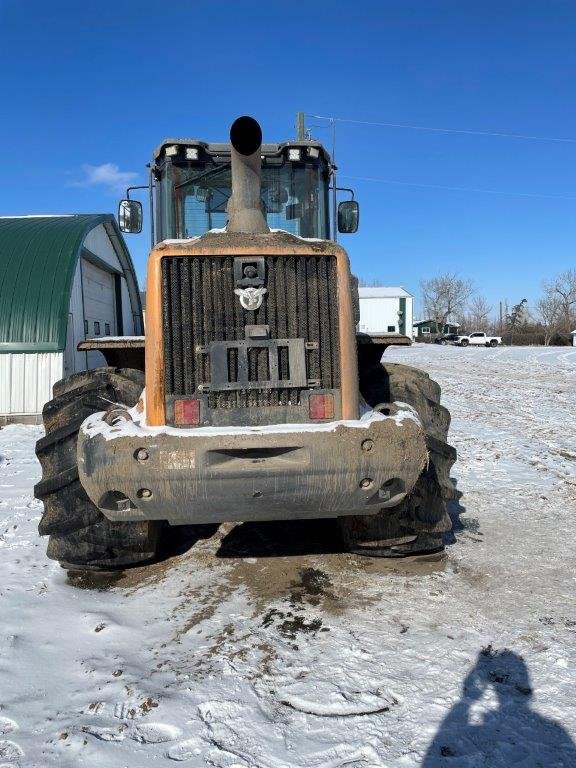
(245, 210)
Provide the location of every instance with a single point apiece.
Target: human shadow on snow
(510, 734)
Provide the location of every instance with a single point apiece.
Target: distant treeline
(449, 298)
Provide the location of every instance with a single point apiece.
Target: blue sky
(89, 89)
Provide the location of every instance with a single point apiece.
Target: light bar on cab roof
(294, 154)
(171, 150)
(191, 153)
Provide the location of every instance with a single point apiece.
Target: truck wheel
(81, 537)
(464, 343)
(416, 525)
(493, 343)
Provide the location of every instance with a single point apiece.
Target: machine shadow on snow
(281, 539)
(177, 540)
(285, 538)
(456, 510)
(510, 734)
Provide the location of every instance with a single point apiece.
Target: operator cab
(192, 184)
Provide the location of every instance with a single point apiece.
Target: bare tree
(559, 302)
(445, 297)
(563, 289)
(479, 312)
(551, 315)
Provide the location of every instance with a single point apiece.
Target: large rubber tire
(81, 537)
(416, 526)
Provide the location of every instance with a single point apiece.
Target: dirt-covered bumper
(206, 475)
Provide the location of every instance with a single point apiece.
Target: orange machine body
(228, 244)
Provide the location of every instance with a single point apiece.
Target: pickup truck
(478, 338)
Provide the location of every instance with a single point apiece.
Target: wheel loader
(252, 397)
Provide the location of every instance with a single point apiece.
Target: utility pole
(300, 127)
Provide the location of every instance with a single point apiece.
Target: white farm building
(62, 279)
(386, 310)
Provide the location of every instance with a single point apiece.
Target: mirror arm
(344, 189)
(129, 189)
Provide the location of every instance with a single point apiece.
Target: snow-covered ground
(264, 646)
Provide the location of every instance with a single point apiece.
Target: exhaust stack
(245, 211)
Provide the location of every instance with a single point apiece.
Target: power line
(498, 134)
(458, 189)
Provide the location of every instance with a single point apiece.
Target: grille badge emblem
(251, 298)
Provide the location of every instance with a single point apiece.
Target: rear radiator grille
(199, 307)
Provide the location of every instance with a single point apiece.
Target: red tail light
(321, 406)
(187, 412)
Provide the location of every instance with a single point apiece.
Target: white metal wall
(98, 242)
(26, 381)
(377, 314)
(76, 309)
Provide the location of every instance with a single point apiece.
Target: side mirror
(130, 216)
(348, 216)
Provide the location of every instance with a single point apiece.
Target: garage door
(99, 306)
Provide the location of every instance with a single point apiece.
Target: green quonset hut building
(62, 279)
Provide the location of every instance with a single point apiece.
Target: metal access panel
(230, 364)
